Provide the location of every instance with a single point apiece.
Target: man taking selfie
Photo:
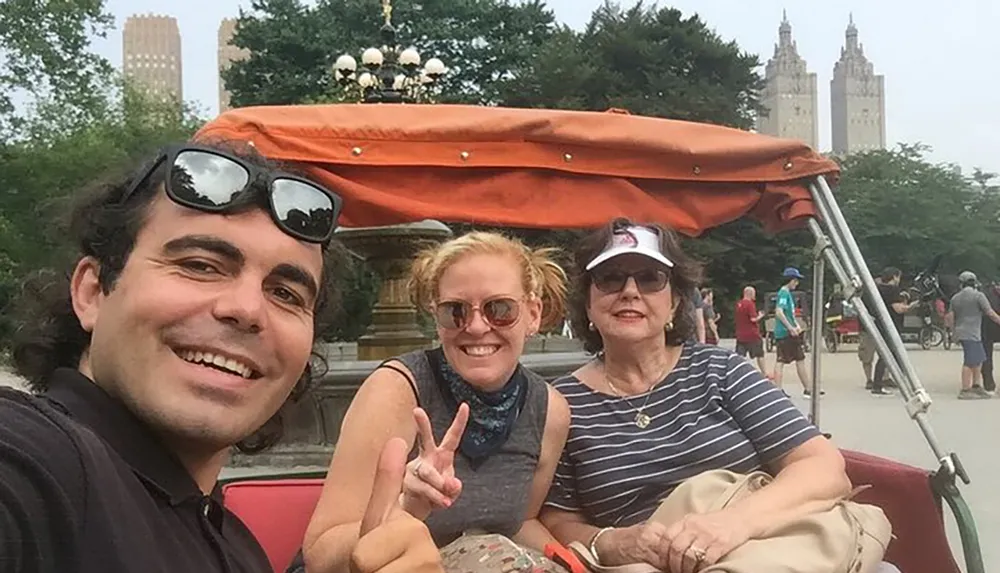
(184, 326)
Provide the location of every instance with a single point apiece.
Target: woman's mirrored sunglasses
(500, 312)
(208, 180)
(612, 280)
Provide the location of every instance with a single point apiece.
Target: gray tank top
(494, 496)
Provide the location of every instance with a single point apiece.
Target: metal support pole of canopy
(854, 275)
(817, 324)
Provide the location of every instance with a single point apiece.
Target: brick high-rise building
(152, 54)
(228, 53)
(790, 93)
(857, 100)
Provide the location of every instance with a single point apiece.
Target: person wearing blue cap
(788, 332)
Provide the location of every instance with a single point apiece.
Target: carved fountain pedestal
(390, 252)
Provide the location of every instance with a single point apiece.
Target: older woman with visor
(487, 432)
(653, 409)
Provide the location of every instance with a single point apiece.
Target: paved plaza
(879, 425)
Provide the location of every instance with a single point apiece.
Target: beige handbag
(848, 538)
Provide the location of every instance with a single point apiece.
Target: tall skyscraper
(857, 100)
(152, 54)
(790, 93)
(228, 53)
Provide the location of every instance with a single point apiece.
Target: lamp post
(389, 74)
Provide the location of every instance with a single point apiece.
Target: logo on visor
(624, 239)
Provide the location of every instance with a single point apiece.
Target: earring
(591, 327)
(669, 326)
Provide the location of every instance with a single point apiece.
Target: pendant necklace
(642, 419)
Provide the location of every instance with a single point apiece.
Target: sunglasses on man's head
(500, 312)
(211, 181)
(612, 280)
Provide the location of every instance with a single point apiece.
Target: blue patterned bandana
(491, 414)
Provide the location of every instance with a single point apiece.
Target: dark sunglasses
(500, 312)
(614, 280)
(208, 180)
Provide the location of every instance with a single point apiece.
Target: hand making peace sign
(430, 481)
(392, 540)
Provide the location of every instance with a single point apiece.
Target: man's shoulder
(38, 434)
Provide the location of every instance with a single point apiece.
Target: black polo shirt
(86, 487)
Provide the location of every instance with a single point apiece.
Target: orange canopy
(397, 163)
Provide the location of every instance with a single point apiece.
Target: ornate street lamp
(389, 74)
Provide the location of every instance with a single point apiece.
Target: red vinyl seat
(276, 511)
(905, 495)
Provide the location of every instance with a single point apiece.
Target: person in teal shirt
(788, 332)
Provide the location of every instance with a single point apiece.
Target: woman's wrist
(595, 545)
(610, 548)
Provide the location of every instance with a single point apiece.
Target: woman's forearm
(802, 487)
(331, 552)
(534, 535)
(610, 546)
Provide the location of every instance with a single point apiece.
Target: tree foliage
(45, 57)
(293, 45)
(648, 60)
(904, 210)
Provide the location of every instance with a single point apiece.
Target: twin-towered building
(857, 97)
(151, 54)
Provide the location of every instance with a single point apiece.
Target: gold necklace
(642, 419)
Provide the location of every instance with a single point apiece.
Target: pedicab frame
(398, 163)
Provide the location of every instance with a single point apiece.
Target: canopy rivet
(788, 165)
(568, 157)
(356, 151)
(464, 155)
(696, 170)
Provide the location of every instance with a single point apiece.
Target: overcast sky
(939, 58)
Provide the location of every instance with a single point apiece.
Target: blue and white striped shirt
(713, 411)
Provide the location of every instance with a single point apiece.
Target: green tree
(44, 55)
(293, 45)
(905, 209)
(651, 61)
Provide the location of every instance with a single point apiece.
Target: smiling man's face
(231, 290)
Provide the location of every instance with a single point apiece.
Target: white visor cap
(632, 240)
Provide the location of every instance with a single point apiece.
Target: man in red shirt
(748, 339)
